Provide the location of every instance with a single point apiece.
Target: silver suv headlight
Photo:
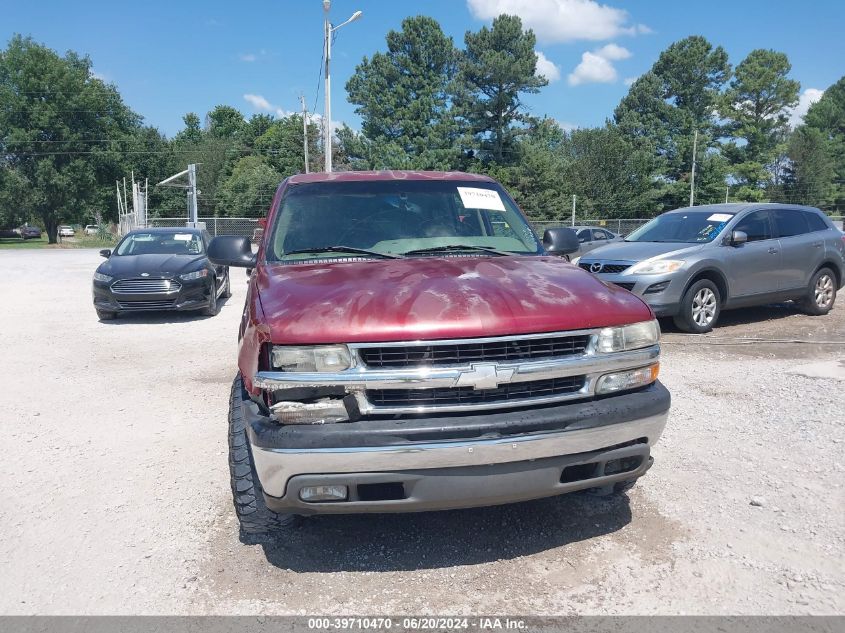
(655, 267)
(628, 337)
(317, 358)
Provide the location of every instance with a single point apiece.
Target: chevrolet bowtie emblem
(486, 376)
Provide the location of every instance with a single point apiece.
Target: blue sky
(171, 58)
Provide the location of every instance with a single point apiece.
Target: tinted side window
(756, 226)
(815, 221)
(584, 235)
(789, 222)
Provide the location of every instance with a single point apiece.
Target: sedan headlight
(628, 337)
(319, 358)
(655, 267)
(198, 274)
(102, 277)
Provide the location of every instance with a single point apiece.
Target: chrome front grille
(462, 353)
(146, 305)
(609, 269)
(142, 286)
(467, 395)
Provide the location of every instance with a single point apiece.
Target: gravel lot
(114, 491)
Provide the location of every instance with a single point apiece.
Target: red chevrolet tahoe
(409, 344)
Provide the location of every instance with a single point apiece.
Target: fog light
(623, 380)
(312, 494)
(326, 411)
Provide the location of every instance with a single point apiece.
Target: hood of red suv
(436, 298)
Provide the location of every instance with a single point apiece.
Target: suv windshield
(398, 217)
(161, 243)
(693, 227)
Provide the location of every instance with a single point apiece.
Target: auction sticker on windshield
(475, 198)
(719, 217)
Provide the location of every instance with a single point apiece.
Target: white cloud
(613, 52)
(562, 20)
(807, 98)
(259, 103)
(628, 81)
(596, 66)
(567, 126)
(547, 68)
(248, 57)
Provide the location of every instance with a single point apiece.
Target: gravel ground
(114, 487)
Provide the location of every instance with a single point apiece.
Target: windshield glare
(693, 227)
(395, 217)
(161, 243)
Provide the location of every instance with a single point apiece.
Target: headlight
(628, 337)
(629, 379)
(102, 277)
(656, 267)
(199, 274)
(312, 359)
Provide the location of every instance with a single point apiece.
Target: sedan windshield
(161, 243)
(693, 227)
(414, 218)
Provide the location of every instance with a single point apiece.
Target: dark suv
(692, 263)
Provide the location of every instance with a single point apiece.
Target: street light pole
(328, 31)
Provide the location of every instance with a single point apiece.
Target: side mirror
(738, 238)
(231, 250)
(106, 252)
(560, 241)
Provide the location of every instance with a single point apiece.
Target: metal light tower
(328, 31)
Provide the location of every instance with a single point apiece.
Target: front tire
(212, 309)
(700, 308)
(253, 514)
(821, 293)
(227, 288)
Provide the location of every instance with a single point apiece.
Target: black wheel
(821, 293)
(212, 308)
(227, 287)
(105, 315)
(700, 307)
(253, 514)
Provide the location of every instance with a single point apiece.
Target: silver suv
(692, 263)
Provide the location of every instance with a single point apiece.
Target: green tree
(61, 131)
(811, 172)
(757, 105)
(282, 148)
(403, 97)
(497, 67)
(247, 192)
(225, 122)
(827, 115)
(666, 107)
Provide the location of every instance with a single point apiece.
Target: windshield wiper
(456, 247)
(342, 249)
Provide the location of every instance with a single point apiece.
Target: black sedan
(159, 269)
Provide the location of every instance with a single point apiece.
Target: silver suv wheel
(824, 291)
(704, 307)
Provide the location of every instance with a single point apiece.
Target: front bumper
(191, 295)
(457, 460)
(662, 293)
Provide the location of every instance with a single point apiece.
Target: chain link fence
(243, 227)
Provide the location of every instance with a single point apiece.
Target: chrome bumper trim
(358, 379)
(276, 466)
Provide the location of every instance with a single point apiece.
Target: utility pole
(304, 131)
(573, 209)
(327, 116)
(192, 195)
(727, 191)
(692, 174)
(328, 31)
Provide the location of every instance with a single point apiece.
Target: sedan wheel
(824, 291)
(821, 293)
(700, 307)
